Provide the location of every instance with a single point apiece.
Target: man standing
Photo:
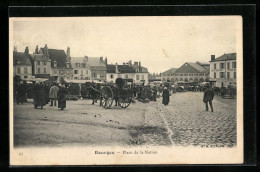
(166, 96)
(53, 94)
(208, 97)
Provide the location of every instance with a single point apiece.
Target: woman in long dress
(38, 98)
(62, 97)
(166, 96)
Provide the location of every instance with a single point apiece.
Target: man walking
(53, 94)
(208, 97)
(166, 96)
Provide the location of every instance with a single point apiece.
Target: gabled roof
(58, 55)
(190, 67)
(121, 68)
(230, 56)
(22, 57)
(170, 71)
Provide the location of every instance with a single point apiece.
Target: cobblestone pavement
(183, 122)
(188, 124)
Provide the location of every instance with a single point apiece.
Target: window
(55, 71)
(137, 77)
(215, 66)
(142, 77)
(25, 76)
(81, 77)
(176, 74)
(228, 75)
(190, 74)
(18, 70)
(39, 70)
(94, 75)
(81, 72)
(68, 72)
(87, 72)
(75, 77)
(126, 76)
(44, 63)
(75, 71)
(111, 76)
(221, 65)
(181, 79)
(168, 74)
(61, 72)
(185, 74)
(162, 79)
(181, 74)
(235, 75)
(25, 70)
(202, 74)
(234, 65)
(215, 75)
(196, 74)
(44, 70)
(38, 62)
(222, 75)
(228, 65)
(18, 62)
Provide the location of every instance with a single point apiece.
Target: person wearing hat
(21, 93)
(166, 96)
(208, 97)
(62, 97)
(38, 95)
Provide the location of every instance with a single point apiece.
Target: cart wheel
(124, 102)
(107, 97)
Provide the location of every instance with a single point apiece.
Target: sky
(160, 43)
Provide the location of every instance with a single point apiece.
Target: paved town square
(184, 122)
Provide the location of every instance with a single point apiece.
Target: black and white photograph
(126, 90)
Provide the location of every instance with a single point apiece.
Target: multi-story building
(169, 75)
(223, 70)
(125, 72)
(60, 62)
(192, 72)
(97, 67)
(41, 64)
(81, 70)
(22, 65)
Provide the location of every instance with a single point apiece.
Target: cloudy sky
(159, 43)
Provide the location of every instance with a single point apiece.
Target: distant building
(41, 64)
(223, 70)
(154, 77)
(192, 72)
(60, 62)
(169, 75)
(97, 67)
(81, 70)
(22, 65)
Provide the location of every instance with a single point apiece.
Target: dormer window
(55, 64)
(18, 62)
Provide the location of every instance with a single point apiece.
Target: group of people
(42, 94)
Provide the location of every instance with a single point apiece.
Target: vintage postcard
(126, 90)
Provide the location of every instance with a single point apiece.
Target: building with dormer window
(22, 65)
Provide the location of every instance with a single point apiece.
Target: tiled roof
(170, 71)
(58, 55)
(189, 67)
(98, 68)
(121, 68)
(230, 56)
(22, 57)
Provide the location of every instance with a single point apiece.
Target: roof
(95, 61)
(190, 67)
(230, 56)
(98, 68)
(170, 71)
(40, 57)
(58, 55)
(121, 68)
(22, 57)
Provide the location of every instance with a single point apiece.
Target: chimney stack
(46, 51)
(36, 50)
(212, 57)
(15, 48)
(106, 61)
(86, 58)
(101, 59)
(26, 50)
(68, 54)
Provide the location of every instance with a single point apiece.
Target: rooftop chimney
(212, 57)
(26, 50)
(106, 61)
(135, 63)
(86, 58)
(15, 48)
(36, 50)
(68, 54)
(46, 51)
(101, 59)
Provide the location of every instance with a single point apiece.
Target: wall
(22, 74)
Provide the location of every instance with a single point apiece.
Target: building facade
(81, 70)
(192, 72)
(22, 65)
(97, 67)
(223, 70)
(169, 75)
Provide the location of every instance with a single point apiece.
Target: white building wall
(23, 74)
